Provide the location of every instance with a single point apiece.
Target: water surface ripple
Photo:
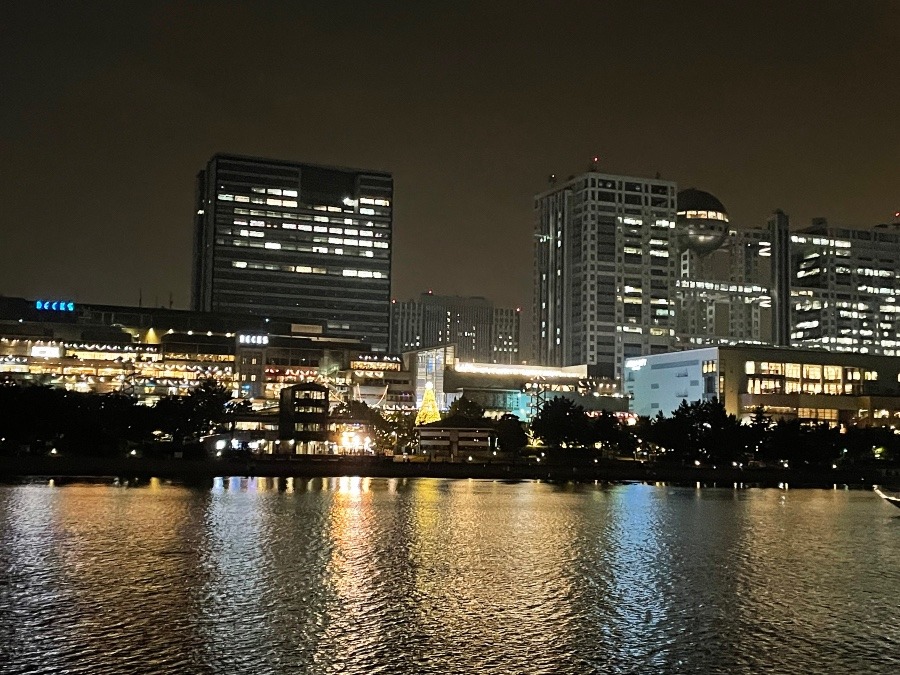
(356, 575)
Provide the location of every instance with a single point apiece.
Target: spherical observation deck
(701, 222)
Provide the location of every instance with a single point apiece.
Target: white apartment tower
(605, 268)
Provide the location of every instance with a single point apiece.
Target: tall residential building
(481, 332)
(276, 238)
(845, 292)
(605, 267)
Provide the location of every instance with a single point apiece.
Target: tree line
(702, 433)
(41, 419)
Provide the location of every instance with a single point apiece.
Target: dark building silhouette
(303, 419)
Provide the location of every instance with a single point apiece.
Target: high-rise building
(844, 290)
(605, 266)
(779, 233)
(481, 332)
(721, 290)
(276, 238)
(626, 268)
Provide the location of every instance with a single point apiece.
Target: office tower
(275, 238)
(481, 332)
(780, 237)
(845, 291)
(750, 274)
(605, 265)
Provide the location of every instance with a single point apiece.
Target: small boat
(894, 499)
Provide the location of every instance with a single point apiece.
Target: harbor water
(357, 575)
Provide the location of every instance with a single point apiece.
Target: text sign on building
(253, 340)
(635, 364)
(43, 352)
(54, 305)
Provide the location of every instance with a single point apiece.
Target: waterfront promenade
(561, 469)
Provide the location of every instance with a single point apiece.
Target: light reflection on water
(367, 575)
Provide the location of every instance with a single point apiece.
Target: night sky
(107, 112)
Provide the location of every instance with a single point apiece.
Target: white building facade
(605, 265)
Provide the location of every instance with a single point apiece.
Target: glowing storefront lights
(523, 371)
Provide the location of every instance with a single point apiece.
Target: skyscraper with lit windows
(295, 240)
(605, 265)
(480, 331)
(845, 292)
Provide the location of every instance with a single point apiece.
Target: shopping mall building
(153, 352)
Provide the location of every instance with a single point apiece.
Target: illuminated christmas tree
(429, 411)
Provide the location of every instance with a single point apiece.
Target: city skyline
(111, 111)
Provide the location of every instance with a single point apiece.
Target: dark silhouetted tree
(511, 436)
(466, 407)
(562, 423)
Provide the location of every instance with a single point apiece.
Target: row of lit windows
(277, 246)
(343, 220)
(292, 203)
(762, 384)
(808, 371)
(310, 228)
(364, 243)
(306, 269)
(268, 201)
(274, 191)
(706, 215)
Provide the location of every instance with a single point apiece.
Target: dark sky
(107, 112)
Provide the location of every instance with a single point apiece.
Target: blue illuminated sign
(54, 305)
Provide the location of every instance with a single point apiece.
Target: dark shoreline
(376, 467)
